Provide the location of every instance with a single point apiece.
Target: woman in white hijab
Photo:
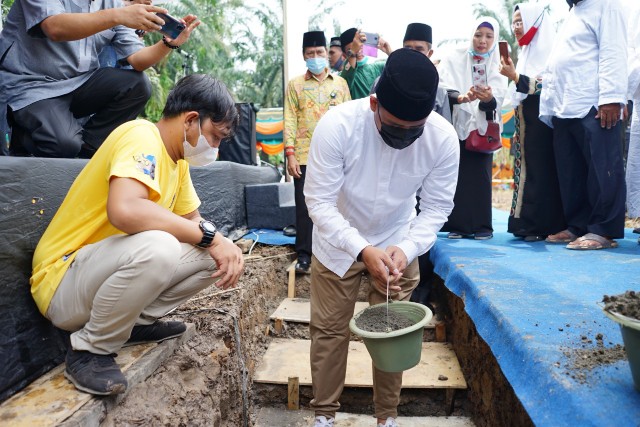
(471, 108)
(536, 210)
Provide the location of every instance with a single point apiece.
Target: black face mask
(338, 64)
(397, 137)
(571, 3)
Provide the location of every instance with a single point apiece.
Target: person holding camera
(50, 75)
(128, 244)
(359, 72)
(368, 159)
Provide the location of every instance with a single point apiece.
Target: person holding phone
(583, 98)
(472, 108)
(536, 210)
(51, 79)
(359, 72)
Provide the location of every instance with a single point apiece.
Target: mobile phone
(504, 50)
(479, 76)
(172, 27)
(372, 39)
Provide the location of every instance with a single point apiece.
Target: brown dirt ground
(207, 382)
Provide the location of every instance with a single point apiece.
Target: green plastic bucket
(630, 330)
(396, 351)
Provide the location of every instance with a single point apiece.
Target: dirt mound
(207, 382)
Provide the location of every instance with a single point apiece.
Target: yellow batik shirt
(306, 101)
(133, 150)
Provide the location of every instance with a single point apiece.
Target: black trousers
(591, 175)
(51, 127)
(472, 202)
(304, 225)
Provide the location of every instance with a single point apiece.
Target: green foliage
(241, 46)
(503, 16)
(5, 5)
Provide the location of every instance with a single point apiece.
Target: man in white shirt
(584, 91)
(368, 160)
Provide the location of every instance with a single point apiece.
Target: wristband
(169, 45)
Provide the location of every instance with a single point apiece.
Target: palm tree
(503, 16)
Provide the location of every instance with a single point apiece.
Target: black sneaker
(157, 332)
(303, 266)
(94, 373)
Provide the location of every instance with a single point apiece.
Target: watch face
(208, 226)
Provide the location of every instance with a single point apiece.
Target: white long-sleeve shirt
(361, 192)
(588, 62)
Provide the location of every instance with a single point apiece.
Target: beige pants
(126, 280)
(332, 303)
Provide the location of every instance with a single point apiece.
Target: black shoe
(94, 373)
(535, 238)
(289, 231)
(303, 266)
(159, 331)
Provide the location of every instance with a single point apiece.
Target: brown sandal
(564, 236)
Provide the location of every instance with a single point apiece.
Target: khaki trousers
(126, 280)
(332, 303)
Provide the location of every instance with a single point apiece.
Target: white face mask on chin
(202, 154)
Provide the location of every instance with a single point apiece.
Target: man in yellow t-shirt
(128, 244)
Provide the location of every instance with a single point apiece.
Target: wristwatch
(208, 233)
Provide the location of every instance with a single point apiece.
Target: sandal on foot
(562, 237)
(582, 243)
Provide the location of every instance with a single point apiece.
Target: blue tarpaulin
(532, 303)
(269, 237)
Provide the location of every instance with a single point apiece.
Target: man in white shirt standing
(584, 91)
(368, 160)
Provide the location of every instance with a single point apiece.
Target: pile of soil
(627, 304)
(208, 381)
(581, 361)
(378, 319)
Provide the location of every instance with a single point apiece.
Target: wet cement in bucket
(627, 304)
(374, 319)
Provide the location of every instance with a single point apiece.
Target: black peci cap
(335, 41)
(408, 85)
(418, 31)
(314, 38)
(347, 37)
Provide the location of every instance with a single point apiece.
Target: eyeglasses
(516, 24)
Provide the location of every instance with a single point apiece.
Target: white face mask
(202, 154)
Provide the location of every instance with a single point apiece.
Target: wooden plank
(269, 417)
(288, 357)
(293, 394)
(441, 332)
(291, 287)
(299, 310)
(52, 399)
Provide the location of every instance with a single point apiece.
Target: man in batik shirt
(308, 98)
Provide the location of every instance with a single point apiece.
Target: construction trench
(209, 380)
